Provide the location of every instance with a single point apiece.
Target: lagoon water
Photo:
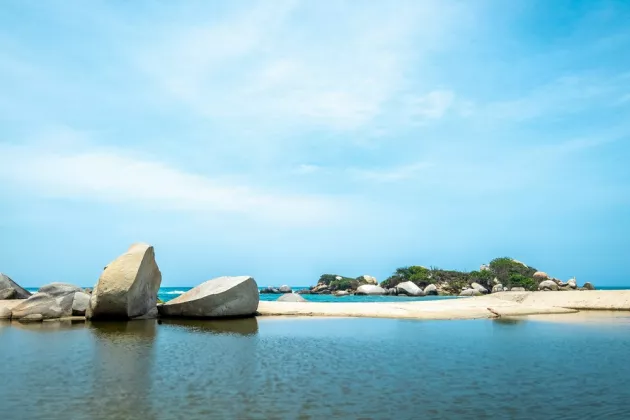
(299, 368)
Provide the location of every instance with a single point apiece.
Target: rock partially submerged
(51, 301)
(128, 287)
(220, 297)
(11, 290)
(291, 297)
(80, 303)
(369, 289)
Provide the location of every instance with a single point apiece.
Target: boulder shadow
(232, 326)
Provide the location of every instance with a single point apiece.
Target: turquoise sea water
(314, 369)
(168, 293)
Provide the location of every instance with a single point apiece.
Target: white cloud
(397, 173)
(337, 69)
(431, 106)
(118, 177)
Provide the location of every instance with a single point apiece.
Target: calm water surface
(315, 368)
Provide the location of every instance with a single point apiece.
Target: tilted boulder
(17, 293)
(128, 287)
(220, 297)
(8, 293)
(370, 289)
(410, 289)
(291, 297)
(548, 285)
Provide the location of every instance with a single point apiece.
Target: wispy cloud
(123, 178)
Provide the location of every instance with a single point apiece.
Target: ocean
(168, 293)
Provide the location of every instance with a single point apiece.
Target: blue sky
(286, 139)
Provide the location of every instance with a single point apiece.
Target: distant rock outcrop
(369, 289)
(51, 301)
(548, 285)
(410, 289)
(291, 297)
(431, 289)
(128, 287)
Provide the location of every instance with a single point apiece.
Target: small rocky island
(501, 274)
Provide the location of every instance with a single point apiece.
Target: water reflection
(49, 326)
(122, 367)
(508, 321)
(242, 326)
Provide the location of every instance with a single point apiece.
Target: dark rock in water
(291, 297)
(9, 293)
(304, 292)
(285, 289)
(270, 290)
(340, 293)
(7, 283)
(325, 292)
(588, 286)
(220, 297)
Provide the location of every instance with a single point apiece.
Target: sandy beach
(490, 306)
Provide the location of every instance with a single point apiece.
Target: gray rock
(7, 283)
(32, 318)
(5, 313)
(9, 293)
(285, 289)
(304, 292)
(340, 293)
(270, 290)
(370, 289)
(470, 292)
(540, 275)
(497, 288)
(517, 289)
(59, 289)
(572, 283)
(291, 297)
(153, 313)
(220, 297)
(431, 290)
(410, 289)
(80, 303)
(588, 286)
(47, 306)
(548, 285)
(128, 287)
(479, 288)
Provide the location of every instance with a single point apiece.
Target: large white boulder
(128, 287)
(370, 289)
(11, 290)
(220, 297)
(409, 288)
(470, 292)
(572, 283)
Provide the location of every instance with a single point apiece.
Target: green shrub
(504, 267)
(342, 284)
(519, 280)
